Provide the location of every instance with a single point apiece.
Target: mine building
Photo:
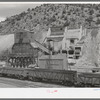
(22, 53)
(24, 50)
(66, 40)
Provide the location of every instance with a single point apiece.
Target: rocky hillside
(39, 19)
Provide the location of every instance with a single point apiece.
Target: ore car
(51, 68)
(25, 61)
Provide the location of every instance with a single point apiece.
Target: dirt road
(14, 83)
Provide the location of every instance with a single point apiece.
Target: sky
(10, 9)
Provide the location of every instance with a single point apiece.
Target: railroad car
(49, 68)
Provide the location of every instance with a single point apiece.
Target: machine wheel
(21, 77)
(89, 85)
(4, 75)
(68, 83)
(9, 75)
(81, 84)
(49, 80)
(30, 78)
(1, 74)
(39, 79)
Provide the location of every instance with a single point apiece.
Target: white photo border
(63, 93)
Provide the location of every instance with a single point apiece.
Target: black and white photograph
(49, 45)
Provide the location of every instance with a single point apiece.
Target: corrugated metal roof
(56, 33)
(23, 30)
(57, 30)
(73, 33)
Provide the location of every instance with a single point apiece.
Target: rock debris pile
(91, 51)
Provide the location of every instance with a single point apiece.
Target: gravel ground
(14, 83)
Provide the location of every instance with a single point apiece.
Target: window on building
(61, 28)
(71, 52)
(64, 51)
(71, 41)
(76, 57)
(78, 48)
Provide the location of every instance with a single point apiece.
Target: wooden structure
(58, 62)
(23, 53)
